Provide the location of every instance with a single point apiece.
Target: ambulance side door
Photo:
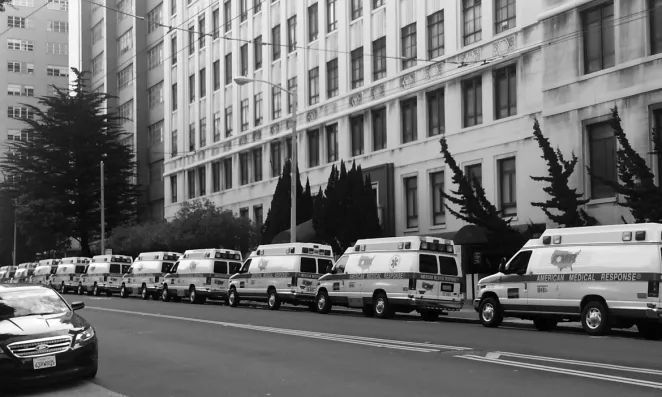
(339, 280)
(515, 283)
(243, 282)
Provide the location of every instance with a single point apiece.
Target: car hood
(41, 326)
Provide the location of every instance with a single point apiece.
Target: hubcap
(144, 292)
(192, 295)
(593, 318)
(379, 307)
(272, 299)
(321, 302)
(164, 294)
(488, 312)
(231, 297)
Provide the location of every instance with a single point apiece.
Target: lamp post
(293, 212)
(15, 234)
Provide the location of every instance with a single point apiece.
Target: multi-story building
(35, 47)
(380, 81)
(120, 44)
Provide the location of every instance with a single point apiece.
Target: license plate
(446, 294)
(43, 362)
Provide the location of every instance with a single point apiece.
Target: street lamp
(240, 80)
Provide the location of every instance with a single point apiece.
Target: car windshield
(30, 302)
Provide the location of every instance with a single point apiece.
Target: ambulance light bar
(227, 255)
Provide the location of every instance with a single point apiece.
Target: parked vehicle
(43, 272)
(67, 276)
(24, 272)
(145, 277)
(7, 273)
(104, 274)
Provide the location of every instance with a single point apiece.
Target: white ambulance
(383, 276)
(603, 276)
(24, 272)
(69, 270)
(281, 273)
(44, 270)
(104, 274)
(145, 277)
(201, 274)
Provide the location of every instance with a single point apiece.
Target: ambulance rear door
(450, 285)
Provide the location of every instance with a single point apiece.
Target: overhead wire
(27, 16)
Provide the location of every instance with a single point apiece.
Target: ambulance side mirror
(502, 268)
(329, 269)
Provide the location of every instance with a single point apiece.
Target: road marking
(360, 340)
(84, 389)
(565, 371)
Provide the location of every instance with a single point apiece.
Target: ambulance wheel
(63, 289)
(545, 323)
(164, 294)
(429, 315)
(368, 311)
(273, 302)
(123, 293)
(95, 290)
(650, 331)
(595, 319)
(323, 303)
(80, 289)
(382, 307)
(490, 313)
(144, 295)
(233, 298)
(194, 298)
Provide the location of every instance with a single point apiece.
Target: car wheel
(95, 290)
(273, 301)
(193, 296)
(490, 313)
(233, 298)
(323, 303)
(164, 294)
(144, 295)
(80, 289)
(123, 293)
(382, 307)
(595, 319)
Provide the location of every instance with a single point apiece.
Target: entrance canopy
(305, 234)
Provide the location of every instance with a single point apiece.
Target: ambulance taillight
(412, 283)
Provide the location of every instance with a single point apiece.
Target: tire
(194, 299)
(382, 307)
(368, 311)
(489, 313)
(63, 289)
(429, 315)
(273, 300)
(123, 293)
(595, 318)
(95, 290)
(165, 297)
(323, 303)
(545, 323)
(650, 331)
(144, 295)
(233, 298)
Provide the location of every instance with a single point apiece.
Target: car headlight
(84, 337)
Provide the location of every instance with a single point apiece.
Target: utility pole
(15, 233)
(294, 164)
(103, 215)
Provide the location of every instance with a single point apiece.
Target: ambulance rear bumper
(431, 304)
(294, 296)
(654, 312)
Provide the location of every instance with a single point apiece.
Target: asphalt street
(150, 348)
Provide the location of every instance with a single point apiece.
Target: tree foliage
(198, 224)
(4, 4)
(641, 195)
(565, 201)
(57, 169)
(346, 210)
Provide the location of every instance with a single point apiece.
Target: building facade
(120, 44)
(379, 82)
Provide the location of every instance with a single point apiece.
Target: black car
(42, 338)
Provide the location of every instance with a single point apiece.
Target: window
(202, 37)
(331, 17)
(174, 98)
(288, 142)
(57, 48)
(228, 121)
(257, 49)
(275, 102)
(598, 25)
(63, 5)
(191, 137)
(257, 164)
(156, 172)
(173, 47)
(276, 160)
(356, 128)
(228, 69)
(377, 3)
(125, 111)
(379, 129)
(519, 263)
(428, 264)
(174, 148)
(216, 176)
(357, 68)
(243, 212)
(308, 265)
(258, 218)
(292, 34)
(505, 92)
(436, 34)
(656, 26)
(474, 173)
(14, 67)
(125, 42)
(191, 88)
(472, 98)
(155, 95)
(58, 26)
(357, 9)
(504, 15)
(97, 31)
(154, 18)
(602, 154)
(227, 173)
(203, 132)
(437, 199)
(14, 89)
(313, 148)
(24, 3)
(314, 86)
(332, 78)
(379, 59)
(191, 39)
(173, 189)
(20, 45)
(17, 22)
(313, 23)
(243, 9)
(244, 114)
(17, 112)
(125, 77)
(217, 127)
(191, 184)
(173, 7)
(155, 56)
(227, 15)
(257, 6)
(258, 108)
(155, 133)
(215, 23)
(243, 168)
(30, 69)
(203, 82)
(507, 187)
(436, 113)
(472, 16)
(220, 267)
(408, 34)
(291, 87)
(275, 38)
(332, 143)
(202, 180)
(243, 52)
(411, 201)
(409, 120)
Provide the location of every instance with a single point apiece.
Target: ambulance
(104, 274)
(602, 276)
(145, 277)
(24, 272)
(201, 274)
(44, 270)
(281, 273)
(383, 276)
(7, 273)
(66, 277)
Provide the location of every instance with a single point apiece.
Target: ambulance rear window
(428, 264)
(221, 267)
(115, 269)
(166, 267)
(448, 266)
(234, 267)
(125, 268)
(323, 264)
(80, 269)
(308, 265)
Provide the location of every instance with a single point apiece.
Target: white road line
(360, 340)
(591, 375)
(583, 363)
(84, 389)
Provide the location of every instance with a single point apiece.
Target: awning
(305, 234)
(476, 235)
